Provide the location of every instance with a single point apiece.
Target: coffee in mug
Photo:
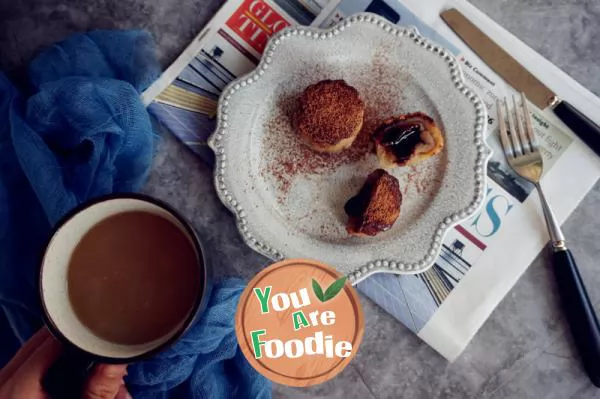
(122, 278)
(133, 277)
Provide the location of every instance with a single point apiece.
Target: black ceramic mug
(84, 349)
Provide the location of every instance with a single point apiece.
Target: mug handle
(66, 378)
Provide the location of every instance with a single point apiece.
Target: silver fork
(523, 155)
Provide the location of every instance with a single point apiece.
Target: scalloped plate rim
(377, 265)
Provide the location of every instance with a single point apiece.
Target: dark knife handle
(580, 124)
(580, 313)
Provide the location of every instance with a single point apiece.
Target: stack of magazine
(481, 258)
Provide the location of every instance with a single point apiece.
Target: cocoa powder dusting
(421, 178)
(285, 154)
(291, 157)
(329, 111)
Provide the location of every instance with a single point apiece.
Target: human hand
(22, 376)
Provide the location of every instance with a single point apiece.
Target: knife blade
(521, 79)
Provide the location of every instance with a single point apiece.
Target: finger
(105, 381)
(123, 393)
(23, 354)
(34, 368)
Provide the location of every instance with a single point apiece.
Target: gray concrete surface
(523, 350)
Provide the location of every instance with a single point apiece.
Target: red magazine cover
(255, 22)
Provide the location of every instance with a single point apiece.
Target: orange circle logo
(299, 322)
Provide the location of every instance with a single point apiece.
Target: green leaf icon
(334, 289)
(317, 290)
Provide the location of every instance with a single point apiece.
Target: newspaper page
(448, 303)
(185, 96)
(510, 224)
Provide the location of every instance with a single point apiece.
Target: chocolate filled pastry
(330, 116)
(407, 139)
(376, 206)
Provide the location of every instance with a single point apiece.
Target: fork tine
(512, 130)
(533, 143)
(520, 128)
(506, 145)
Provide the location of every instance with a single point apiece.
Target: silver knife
(521, 79)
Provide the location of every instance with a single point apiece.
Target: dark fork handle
(580, 313)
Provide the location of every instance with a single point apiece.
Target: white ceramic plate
(289, 201)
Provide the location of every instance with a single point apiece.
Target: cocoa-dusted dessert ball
(329, 116)
(376, 206)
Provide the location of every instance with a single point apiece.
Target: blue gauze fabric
(84, 133)
(206, 362)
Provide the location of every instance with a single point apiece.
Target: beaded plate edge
(380, 265)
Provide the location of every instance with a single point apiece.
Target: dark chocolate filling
(402, 140)
(357, 205)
